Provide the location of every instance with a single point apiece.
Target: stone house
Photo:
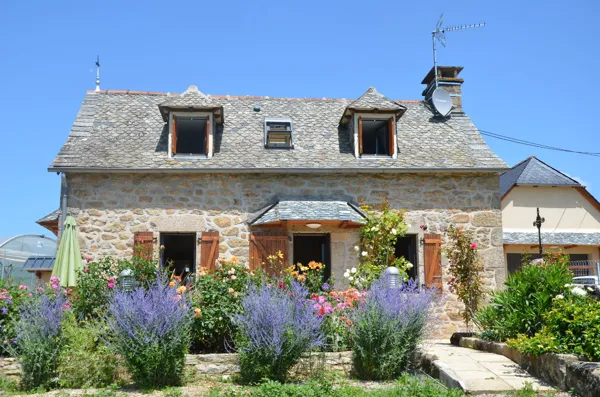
(245, 176)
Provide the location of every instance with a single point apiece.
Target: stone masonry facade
(110, 208)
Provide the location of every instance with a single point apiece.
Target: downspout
(63, 202)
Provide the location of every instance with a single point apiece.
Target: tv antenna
(98, 73)
(440, 34)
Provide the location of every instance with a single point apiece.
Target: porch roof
(309, 210)
(552, 238)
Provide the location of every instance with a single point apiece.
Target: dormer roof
(373, 102)
(190, 100)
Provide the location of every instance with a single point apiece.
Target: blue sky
(528, 74)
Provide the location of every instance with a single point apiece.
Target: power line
(533, 144)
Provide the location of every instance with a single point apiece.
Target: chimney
(447, 79)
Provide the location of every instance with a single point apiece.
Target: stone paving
(477, 372)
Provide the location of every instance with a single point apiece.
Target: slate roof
(125, 131)
(374, 100)
(534, 172)
(39, 263)
(552, 238)
(192, 98)
(309, 210)
(53, 216)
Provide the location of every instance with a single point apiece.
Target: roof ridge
(258, 97)
(554, 169)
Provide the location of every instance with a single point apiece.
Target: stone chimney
(447, 79)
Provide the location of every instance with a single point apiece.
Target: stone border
(210, 365)
(565, 371)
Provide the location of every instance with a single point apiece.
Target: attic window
(189, 135)
(278, 133)
(376, 136)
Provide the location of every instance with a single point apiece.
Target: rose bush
(216, 298)
(12, 297)
(311, 275)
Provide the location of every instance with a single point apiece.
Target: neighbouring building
(571, 213)
(245, 176)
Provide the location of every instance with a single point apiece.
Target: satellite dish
(442, 102)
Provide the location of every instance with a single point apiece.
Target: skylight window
(189, 135)
(278, 133)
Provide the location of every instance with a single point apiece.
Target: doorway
(406, 246)
(313, 247)
(179, 255)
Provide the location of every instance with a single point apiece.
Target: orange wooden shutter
(207, 134)
(360, 145)
(433, 260)
(143, 245)
(264, 244)
(173, 136)
(391, 134)
(209, 250)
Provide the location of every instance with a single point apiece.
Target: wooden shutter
(391, 134)
(143, 245)
(264, 244)
(207, 135)
(173, 135)
(433, 260)
(209, 250)
(360, 145)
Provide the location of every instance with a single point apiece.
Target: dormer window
(376, 136)
(278, 133)
(190, 134)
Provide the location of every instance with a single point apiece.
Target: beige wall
(564, 209)
(110, 208)
(593, 252)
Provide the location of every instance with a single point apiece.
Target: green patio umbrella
(68, 256)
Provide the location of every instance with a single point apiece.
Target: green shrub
(521, 307)
(216, 298)
(572, 326)
(85, 361)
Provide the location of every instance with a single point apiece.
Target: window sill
(376, 157)
(190, 157)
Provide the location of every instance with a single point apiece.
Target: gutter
(63, 201)
(275, 170)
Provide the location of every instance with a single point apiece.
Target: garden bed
(565, 371)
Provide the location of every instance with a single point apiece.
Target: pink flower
(177, 298)
(22, 287)
(162, 247)
(111, 279)
(54, 280)
(317, 307)
(473, 246)
(233, 277)
(88, 259)
(321, 299)
(54, 286)
(328, 308)
(111, 285)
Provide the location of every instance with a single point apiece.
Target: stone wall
(110, 208)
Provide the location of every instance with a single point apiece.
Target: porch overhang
(50, 221)
(301, 212)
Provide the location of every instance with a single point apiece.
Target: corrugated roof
(310, 210)
(534, 172)
(126, 131)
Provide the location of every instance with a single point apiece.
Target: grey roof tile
(534, 172)
(53, 216)
(309, 210)
(552, 238)
(372, 99)
(121, 131)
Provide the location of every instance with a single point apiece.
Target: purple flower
(325, 287)
(4, 310)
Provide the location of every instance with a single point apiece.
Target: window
(179, 255)
(278, 133)
(376, 136)
(190, 135)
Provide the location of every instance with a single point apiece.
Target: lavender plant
(39, 338)
(276, 326)
(387, 328)
(150, 328)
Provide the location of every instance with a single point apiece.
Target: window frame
(210, 140)
(357, 118)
